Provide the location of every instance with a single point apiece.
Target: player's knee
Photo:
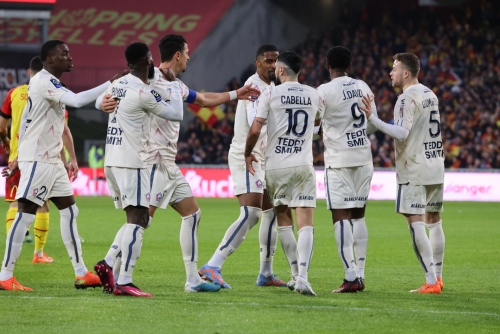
(253, 214)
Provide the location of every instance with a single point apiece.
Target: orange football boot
(90, 280)
(427, 288)
(12, 284)
(42, 259)
(440, 281)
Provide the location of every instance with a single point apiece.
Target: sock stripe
(72, 233)
(342, 243)
(328, 190)
(237, 229)
(11, 240)
(39, 229)
(138, 187)
(398, 201)
(247, 179)
(30, 179)
(269, 233)
(193, 233)
(134, 238)
(310, 256)
(412, 232)
(152, 176)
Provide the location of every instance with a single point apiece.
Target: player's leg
(248, 188)
(268, 238)
(305, 246)
(11, 185)
(434, 225)
(411, 203)
(10, 216)
(288, 241)
(41, 232)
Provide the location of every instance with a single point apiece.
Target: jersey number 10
(293, 120)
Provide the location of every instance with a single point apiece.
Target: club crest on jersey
(156, 95)
(56, 83)
(148, 197)
(35, 192)
(159, 196)
(259, 183)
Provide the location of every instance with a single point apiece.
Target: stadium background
(458, 43)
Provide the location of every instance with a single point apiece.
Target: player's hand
(367, 106)
(73, 170)
(249, 162)
(168, 74)
(108, 104)
(248, 93)
(7, 172)
(6, 145)
(120, 74)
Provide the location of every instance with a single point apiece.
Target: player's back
(241, 128)
(419, 158)
(344, 125)
(293, 108)
(42, 139)
(13, 107)
(127, 140)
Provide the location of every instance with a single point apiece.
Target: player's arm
(317, 130)
(6, 115)
(397, 132)
(246, 92)
(68, 143)
(173, 110)
(370, 127)
(251, 107)
(252, 138)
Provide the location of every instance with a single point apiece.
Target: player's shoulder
(255, 80)
(418, 92)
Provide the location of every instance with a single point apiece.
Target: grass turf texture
(469, 302)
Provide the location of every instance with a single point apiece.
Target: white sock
(268, 237)
(423, 250)
(305, 246)
(344, 238)
(71, 239)
(436, 237)
(289, 245)
(360, 237)
(14, 243)
(131, 246)
(116, 267)
(115, 249)
(235, 234)
(189, 246)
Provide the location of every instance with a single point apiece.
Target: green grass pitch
(470, 301)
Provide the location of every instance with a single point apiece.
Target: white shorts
(293, 186)
(168, 185)
(244, 182)
(128, 186)
(347, 187)
(418, 200)
(41, 181)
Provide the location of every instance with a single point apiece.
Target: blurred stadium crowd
(460, 61)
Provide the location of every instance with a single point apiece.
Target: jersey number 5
(436, 122)
(293, 120)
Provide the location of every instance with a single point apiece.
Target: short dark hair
(292, 60)
(410, 61)
(135, 52)
(169, 45)
(36, 64)
(49, 46)
(339, 57)
(265, 48)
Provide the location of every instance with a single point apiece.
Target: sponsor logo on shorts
(279, 196)
(305, 198)
(418, 206)
(148, 197)
(115, 199)
(302, 264)
(352, 199)
(435, 204)
(35, 192)
(159, 196)
(259, 183)
(124, 197)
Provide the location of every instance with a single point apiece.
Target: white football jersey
(127, 141)
(419, 158)
(42, 139)
(241, 127)
(290, 110)
(344, 125)
(164, 133)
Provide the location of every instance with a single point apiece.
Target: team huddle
(270, 160)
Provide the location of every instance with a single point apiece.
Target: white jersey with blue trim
(420, 157)
(127, 141)
(44, 114)
(164, 133)
(290, 110)
(241, 127)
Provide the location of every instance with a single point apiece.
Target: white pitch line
(325, 307)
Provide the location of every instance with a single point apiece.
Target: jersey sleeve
(263, 104)
(7, 105)
(321, 105)
(370, 128)
(188, 95)
(53, 89)
(405, 109)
